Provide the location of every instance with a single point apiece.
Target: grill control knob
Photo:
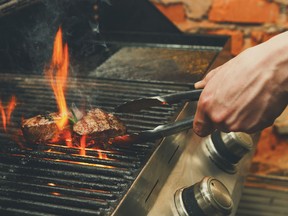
(227, 149)
(206, 198)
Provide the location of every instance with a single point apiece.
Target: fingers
(202, 124)
(200, 84)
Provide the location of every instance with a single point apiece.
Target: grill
(55, 179)
(137, 53)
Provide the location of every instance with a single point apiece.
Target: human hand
(247, 93)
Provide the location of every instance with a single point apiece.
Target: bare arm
(248, 92)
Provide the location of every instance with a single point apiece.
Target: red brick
(198, 26)
(174, 12)
(244, 11)
(237, 40)
(258, 36)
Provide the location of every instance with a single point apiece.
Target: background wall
(248, 22)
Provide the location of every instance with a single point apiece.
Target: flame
(57, 74)
(11, 107)
(102, 155)
(3, 115)
(56, 194)
(69, 142)
(68, 138)
(83, 145)
(6, 113)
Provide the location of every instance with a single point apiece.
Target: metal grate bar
(28, 205)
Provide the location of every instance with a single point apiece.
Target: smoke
(109, 2)
(81, 30)
(26, 39)
(38, 36)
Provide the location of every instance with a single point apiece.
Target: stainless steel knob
(237, 143)
(209, 197)
(227, 149)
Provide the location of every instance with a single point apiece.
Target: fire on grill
(73, 127)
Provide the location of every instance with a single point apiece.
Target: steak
(99, 125)
(95, 125)
(41, 128)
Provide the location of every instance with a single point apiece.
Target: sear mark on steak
(99, 125)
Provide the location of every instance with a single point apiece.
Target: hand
(247, 93)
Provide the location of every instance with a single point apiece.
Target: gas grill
(54, 179)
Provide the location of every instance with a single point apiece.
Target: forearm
(275, 52)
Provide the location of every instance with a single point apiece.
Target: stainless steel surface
(220, 194)
(145, 189)
(179, 203)
(192, 166)
(213, 197)
(210, 196)
(233, 147)
(237, 142)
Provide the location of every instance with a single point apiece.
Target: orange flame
(6, 115)
(102, 155)
(68, 142)
(11, 107)
(57, 74)
(4, 120)
(83, 145)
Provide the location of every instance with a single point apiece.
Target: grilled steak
(41, 128)
(95, 124)
(99, 125)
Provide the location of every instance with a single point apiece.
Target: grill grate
(264, 195)
(54, 179)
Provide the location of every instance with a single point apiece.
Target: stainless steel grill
(54, 179)
(137, 53)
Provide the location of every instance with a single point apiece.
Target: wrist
(275, 53)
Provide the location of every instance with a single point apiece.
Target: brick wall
(248, 22)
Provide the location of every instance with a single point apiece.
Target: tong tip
(138, 105)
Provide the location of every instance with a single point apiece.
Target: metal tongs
(168, 99)
(160, 131)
